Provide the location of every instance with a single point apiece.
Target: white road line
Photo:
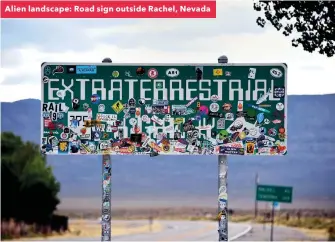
(241, 234)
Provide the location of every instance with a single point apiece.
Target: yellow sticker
(115, 74)
(179, 120)
(131, 149)
(166, 148)
(217, 72)
(198, 104)
(117, 107)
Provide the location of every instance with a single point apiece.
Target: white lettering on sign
(82, 87)
(174, 90)
(117, 89)
(52, 91)
(144, 90)
(100, 90)
(208, 90)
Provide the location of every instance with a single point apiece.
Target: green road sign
(271, 193)
(205, 109)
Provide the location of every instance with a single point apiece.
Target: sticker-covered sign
(180, 109)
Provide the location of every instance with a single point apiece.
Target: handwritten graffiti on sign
(170, 109)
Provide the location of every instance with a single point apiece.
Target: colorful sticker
(117, 107)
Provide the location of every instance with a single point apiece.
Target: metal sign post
(256, 202)
(106, 216)
(272, 221)
(223, 198)
(222, 187)
(274, 194)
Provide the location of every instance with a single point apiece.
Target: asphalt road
(177, 231)
(260, 232)
(187, 231)
(205, 231)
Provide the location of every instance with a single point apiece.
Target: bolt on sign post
(163, 109)
(274, 194)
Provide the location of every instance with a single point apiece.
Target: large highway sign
(205, 109)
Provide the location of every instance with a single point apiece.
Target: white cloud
(164, 41)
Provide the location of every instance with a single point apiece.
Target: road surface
(202, 231)
(187, 231)
(260, 232)
(175, 231)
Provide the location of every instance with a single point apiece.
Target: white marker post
(106, 232)
(222, 185)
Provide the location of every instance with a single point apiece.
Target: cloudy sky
(27, 43)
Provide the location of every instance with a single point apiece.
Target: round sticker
(152, 73)
(222, 189)
(214, 107)
(226, 107)
(126, 116)
(45, 79)
(281, 130)
(145, 118)
(279, 106)
(95, 98)
(115, 74)
(167, 117)
(252, 132)
(132, 121)
(272, 132)
(86, 106)
(166, 148)
(141, 101)
(266, 121)
(262, 130)
(131, 148)
(238, 124)
(131, 102)
(64, 135)
(214, 98)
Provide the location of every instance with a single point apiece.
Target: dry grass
(84, 229)
(314, 222)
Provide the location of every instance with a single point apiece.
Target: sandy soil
(84, 228)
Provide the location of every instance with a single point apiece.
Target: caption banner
(108, 9)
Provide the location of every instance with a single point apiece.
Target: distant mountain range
(178, 180)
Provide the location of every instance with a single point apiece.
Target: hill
(309, 166)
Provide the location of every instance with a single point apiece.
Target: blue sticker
(95, 99)
(86, 70)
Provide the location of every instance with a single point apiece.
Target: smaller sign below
(270, 193)
(275, 205)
